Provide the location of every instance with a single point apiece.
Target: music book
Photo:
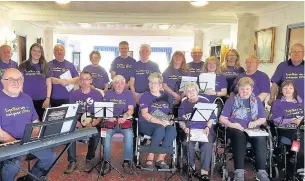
(207, 81)
(198, 135)
(185, 79)
(67, 75)
(99, 109)
(256, 132)
(161, 115)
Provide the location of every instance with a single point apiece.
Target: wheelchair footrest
(156, 150)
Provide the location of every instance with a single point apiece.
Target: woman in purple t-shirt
(245, 110)
(34, 71)
(231, 67)
(152, 125)
(288, 110)
(211, 65)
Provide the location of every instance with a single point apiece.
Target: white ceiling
(134, 15)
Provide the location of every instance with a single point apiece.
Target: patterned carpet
(57, 174)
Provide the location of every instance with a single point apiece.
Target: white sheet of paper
(66, 126)
(72, 110)
(204, 111)
(207, 81)
(67, 75)
(99, 112)
(198, 135)
(185, 79)
(256, 132)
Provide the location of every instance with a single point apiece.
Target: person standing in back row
(196, 65)
(5, 60)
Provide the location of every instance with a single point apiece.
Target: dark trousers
(239, 141)
(93, 143)
(38, 107)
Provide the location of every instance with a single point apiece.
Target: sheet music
(67, 75)
(185, 79)
(207, 81)
(99, 112)
(72, 109)
(66, 126)
(204, 111)
(198, 135)
(256, 132)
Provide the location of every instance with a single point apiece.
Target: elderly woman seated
(123, 109)
(159, 130)
(186, 109)
(289, 110)
(245, 110)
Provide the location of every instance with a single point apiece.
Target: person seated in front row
(18, 111)
(123, 109)
(159, 130)
(186, 108)
(286, 110)
(85, 97)
(245, 110)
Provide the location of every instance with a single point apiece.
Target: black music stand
(48, 130)
(298, 139)
(104, 112)
(189, 120)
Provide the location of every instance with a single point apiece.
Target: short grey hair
(155, 75)
(118, 78)
(58, 45)
(296, 45)
(145, 46)
(190, 85)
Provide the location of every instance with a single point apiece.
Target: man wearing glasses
(85, 97)
(293, 69)
(196, 65)
(18, 111)
(5, 60)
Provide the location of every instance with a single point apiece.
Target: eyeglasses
(212, 63)
(154, 83)
(251, 62)
(13, 81)
(83, 80)
(297, 52)
(196, 53)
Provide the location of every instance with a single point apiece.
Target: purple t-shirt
(121, 101)
(56, 69)
(261, 82)
(4, 66)
(281, 109)
(220, 83)
(141, 71)
(123, 66)
(287, 71)
(185, 110)
(85, 101)
(195, 68)
(147, 100)
(34, 78)
(172, 77)
(231, 73)
(99, 75)
(228, 110)
(16, 113)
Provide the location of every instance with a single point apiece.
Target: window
(160, 58)
(106, 60)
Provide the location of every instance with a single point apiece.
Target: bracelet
(150, 119)
(47, 97)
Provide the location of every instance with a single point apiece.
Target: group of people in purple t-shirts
(138, 90)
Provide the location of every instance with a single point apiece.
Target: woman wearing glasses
(34, 71)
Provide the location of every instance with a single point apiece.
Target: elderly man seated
(12, 125)
(123, 109)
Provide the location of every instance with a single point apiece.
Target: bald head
(12, 81)
(297, 53)
(197, 54)
(5, 53)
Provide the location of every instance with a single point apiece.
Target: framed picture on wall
(294, 34)
(130, 53)
(76, 60)
(264, 45)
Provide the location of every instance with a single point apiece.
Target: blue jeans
(128, 142)
(45, 160)
(158, 133)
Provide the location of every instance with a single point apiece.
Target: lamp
(164, 27)
(62, 1)
(199, 3)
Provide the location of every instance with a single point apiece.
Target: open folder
(67, 75)
(185, 79)
(103, 109)
(198, 135)
(207, 81)
(256, 132)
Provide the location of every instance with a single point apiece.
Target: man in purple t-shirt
(293, 69)
(196, 65)
(5, 60)
(85, 97)
(18, 111)
(122, 65)
(57, 67)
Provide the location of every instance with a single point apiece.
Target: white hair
(119, 78)
(190, 85)
(157, 76)
(145, 46)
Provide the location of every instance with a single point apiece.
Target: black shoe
(25, 178)
(128, 167)
(71, 167)
(106, 167)
(88, 166)
(204, 178)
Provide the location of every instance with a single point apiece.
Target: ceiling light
(85, 25)
(164, 27)
(62, 1)
(199, 3)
